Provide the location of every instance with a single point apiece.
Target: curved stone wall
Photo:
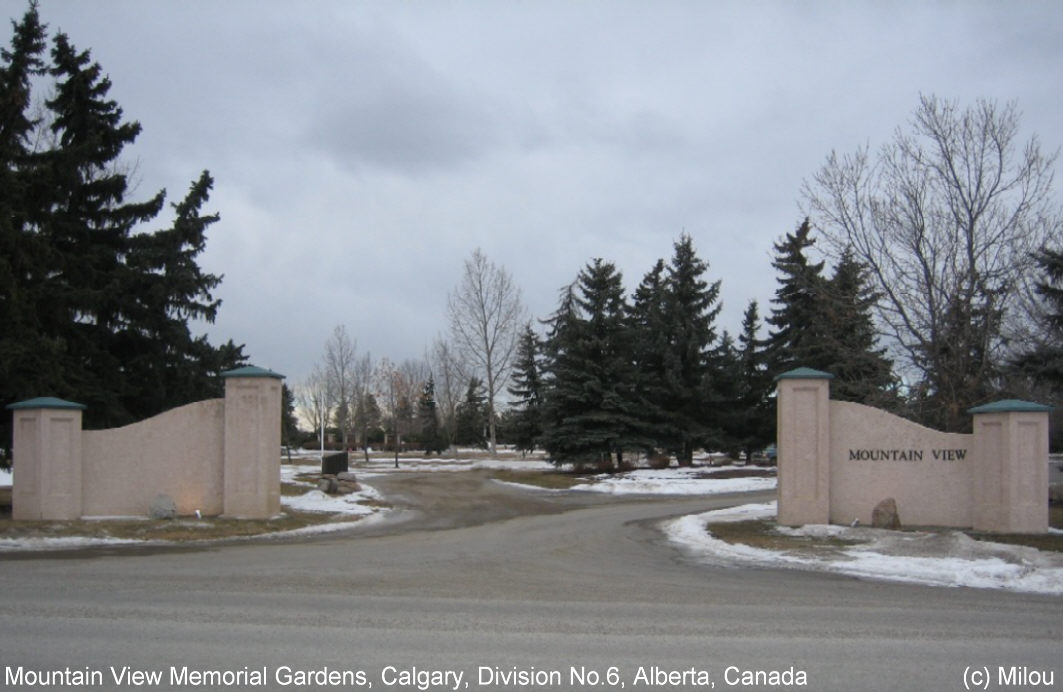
(178, 453)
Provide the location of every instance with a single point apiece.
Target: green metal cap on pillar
(1011, 406)
(252, 371)
(45, 402)
(804, 374)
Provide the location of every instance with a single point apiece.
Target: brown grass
(182, 529)
(760, 533)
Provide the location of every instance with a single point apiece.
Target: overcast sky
(362, 150)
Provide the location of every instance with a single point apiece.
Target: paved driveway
(502, 587)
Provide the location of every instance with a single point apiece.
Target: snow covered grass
(308, 512)
(949, 558)
(5, 477)
(681, 481)
(352, 503)
(442, 464)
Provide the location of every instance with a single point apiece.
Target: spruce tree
(798, 319)
(93, 308)
(289, 425)
(691, 308)
(650, 341)
(723, 394)
(753, 426)
(471, 421)
(428, 418)
(27, 356)
(562, 401)
(1043, 361)
(526, 389)
(170, 289)
(88, 226)
(592, 412)
(862, 371)
(826, 324)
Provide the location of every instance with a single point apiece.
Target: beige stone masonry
(47, 457)
(1011, 475)
(804, 447)
(177, 453)
(837, 460)
(219, 456)
(252, 446)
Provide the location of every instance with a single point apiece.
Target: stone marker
(162, 507)
(885, 516)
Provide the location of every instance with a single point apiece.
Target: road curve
(486, 580)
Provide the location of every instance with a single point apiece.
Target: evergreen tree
(650, 343)
(861, 370)
(753, 425)
(27, 356)
(170, 288)
(798, 318)
(428, 417)
(690, 311)
(471, 421)
(1043, 361)
(723, 394)
(591, 410)
(289, 425)
(92, 309)
(525, 421)
(826, 324)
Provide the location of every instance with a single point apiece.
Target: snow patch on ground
(6, 477)
(317, 501)
(63, 543)
(937, 559)
(676, 481)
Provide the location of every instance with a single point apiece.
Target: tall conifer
(592, 414)
(861, 369)
(526, 390)
(93, 308)
(797, 318)
(691, 306)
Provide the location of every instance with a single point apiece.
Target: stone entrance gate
(837, 460)
(219, 456)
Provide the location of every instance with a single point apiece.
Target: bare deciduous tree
(313, 397)
(340, 357)
(451, 379)
(486, 315)
(384, 385)
(363, 385)
(945, 218)
(397, 387)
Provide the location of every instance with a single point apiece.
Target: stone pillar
(803, 446)
(47, 459)
(252, 443)
(1010, 493)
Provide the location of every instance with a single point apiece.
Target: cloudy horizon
(362, 150)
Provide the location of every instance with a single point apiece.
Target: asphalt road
(485, 580)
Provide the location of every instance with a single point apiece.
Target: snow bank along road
(487, 587)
